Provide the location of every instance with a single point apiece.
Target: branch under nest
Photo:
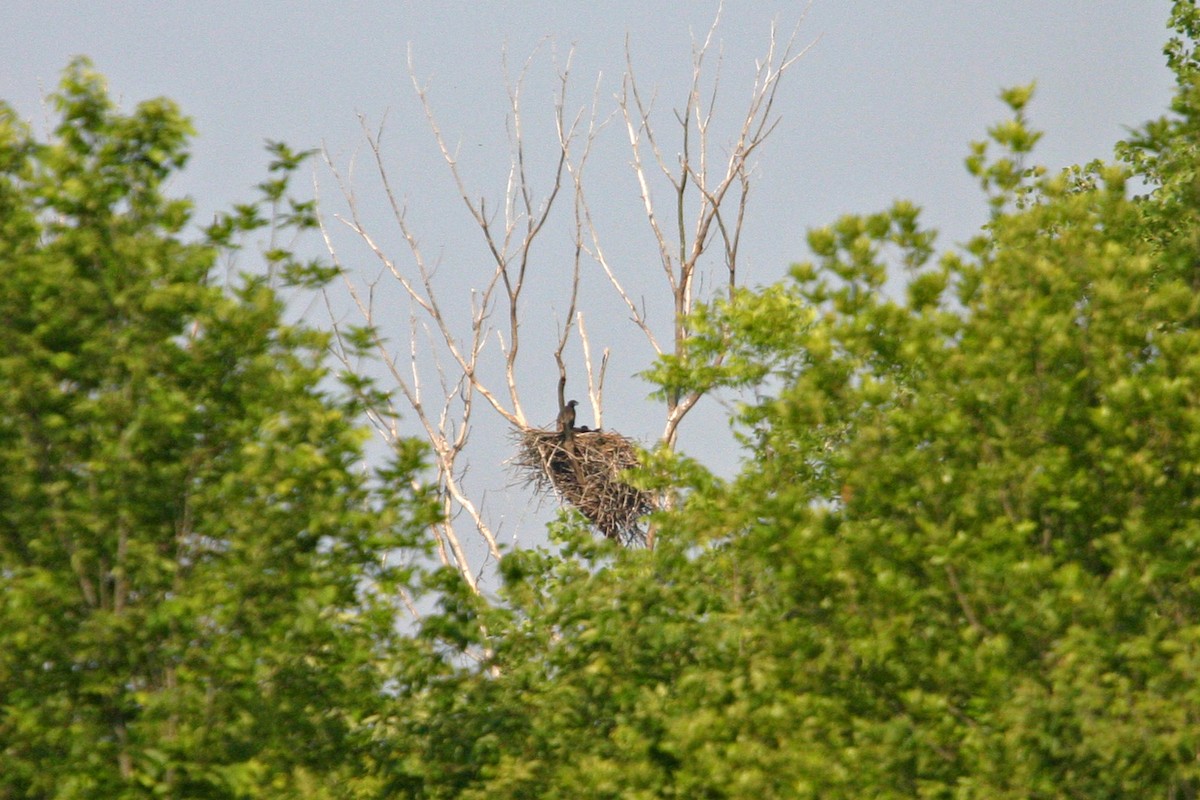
(584, 469)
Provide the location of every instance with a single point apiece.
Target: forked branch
(703, 172)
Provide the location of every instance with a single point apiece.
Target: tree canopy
(187, 537)
(959, 557)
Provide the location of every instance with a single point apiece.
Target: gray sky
(883, 106)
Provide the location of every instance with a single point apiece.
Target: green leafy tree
(959, 560)
(194, 602)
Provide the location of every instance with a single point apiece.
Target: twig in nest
(584, 469)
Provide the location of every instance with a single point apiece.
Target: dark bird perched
(566, 418)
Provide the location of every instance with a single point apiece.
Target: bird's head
(572, 403)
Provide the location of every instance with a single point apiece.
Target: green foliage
(193, 599)
(1006, 179)
(959, 559)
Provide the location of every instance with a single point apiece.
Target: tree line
(958, 559)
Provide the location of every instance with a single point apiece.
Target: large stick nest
(584, 469)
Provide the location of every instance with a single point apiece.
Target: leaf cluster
(196, 600)
(959, 559)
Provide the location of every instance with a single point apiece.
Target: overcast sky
(882, 106)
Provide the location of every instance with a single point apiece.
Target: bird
(566, 417)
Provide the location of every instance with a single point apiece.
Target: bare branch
(595, 380)
(452, 362)
(697, 177)
(596, 251)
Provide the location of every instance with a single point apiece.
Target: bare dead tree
(722, 189)
(700, 229)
